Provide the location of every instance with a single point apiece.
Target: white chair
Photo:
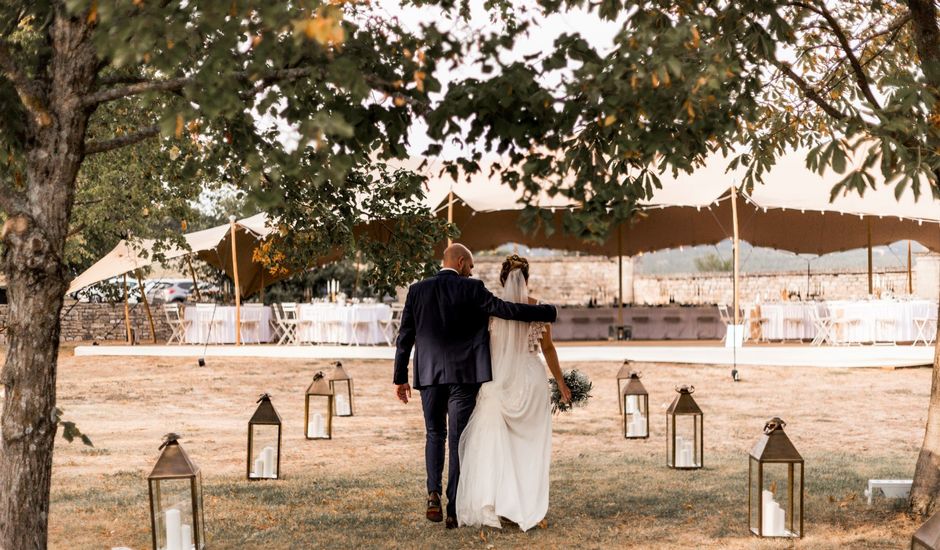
(391, 326)
(178, 324)
(792, 324)
(250, 322)
(823, 326)
(292, 319)
(287, 327)
(926, 330)
(756, 321)
(886, 331)
(841, 325)
(725, 319)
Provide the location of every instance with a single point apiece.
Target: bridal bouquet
(580, 386)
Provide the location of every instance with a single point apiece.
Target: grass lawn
(365, 488)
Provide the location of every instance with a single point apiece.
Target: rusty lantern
(636, 409)
(623, 378)
(264, 441)
(775, 485)
(684, 431)
(177, 521)
(927, 536)
(318, 409)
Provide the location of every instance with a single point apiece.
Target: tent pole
(127, 313)
(238, 295)
(910, 274)
(189, 260)
(871, 288)
(734, 220)
(450, 213)
(620, 275)
(143, 296)
(261, 290)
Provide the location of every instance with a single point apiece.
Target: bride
(506, 447)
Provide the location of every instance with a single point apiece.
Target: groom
(446, 320)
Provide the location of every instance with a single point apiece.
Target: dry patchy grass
(365, 487)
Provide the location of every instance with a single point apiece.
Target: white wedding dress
(506, 447)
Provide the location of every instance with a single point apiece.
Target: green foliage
(712, 262)
(70, 430)
(580, 386)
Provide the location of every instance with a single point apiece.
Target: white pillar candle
(259, 467)
(631, 404)
(768, 513)
(677, 451)
(342, 404)
(640, 425)
(317, 426)
(312, 428)
(186, 534)
(269, 461)
(779, 520)
(173, 526)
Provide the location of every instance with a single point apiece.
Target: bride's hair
(514, 262)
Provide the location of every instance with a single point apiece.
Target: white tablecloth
(218, 327)
(348, 324)
(867, 320)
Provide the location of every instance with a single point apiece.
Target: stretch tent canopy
(791, 210)
(213, 245)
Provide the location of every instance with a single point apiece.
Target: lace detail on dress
(536, 330)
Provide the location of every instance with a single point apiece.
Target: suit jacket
(446, 320)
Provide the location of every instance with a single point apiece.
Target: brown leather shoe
(451, 522)
(435, 513)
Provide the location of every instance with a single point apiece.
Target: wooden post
(620, 275)
(238, 294)
(910, 274)
(143, 296)
(127, 313)
(189, 260)
(734, 221)
(871, 288)
(450, 213)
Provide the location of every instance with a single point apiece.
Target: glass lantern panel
(172, 508)
(635, 417)
(779, 499)
(753, 492)
(263, 449)
(342, 400)
(319, 417)
(687, 441)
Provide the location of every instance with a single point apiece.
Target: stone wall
(573, 281)
(87, 322)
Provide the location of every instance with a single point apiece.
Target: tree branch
(807, 89)
(95, 147)
(260, 81)
(860, 76)
(30, 92)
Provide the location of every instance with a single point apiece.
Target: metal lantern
(684, 431)
(636, 409)
(927, 537)
(177, 520)
(775, 487)
(318, 409)
(342, 386)
(264, 441)
(623, 377)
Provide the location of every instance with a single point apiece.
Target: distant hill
(753, 259)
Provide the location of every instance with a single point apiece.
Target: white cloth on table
(343, 324)
(895, 316)
(777, 314)
(218, 324)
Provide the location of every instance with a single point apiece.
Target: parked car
(169, 290)
(111, 290)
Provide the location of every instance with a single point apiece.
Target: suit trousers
(446, 405)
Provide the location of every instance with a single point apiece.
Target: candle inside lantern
(631, 404)
(173, 530)
(268, 460)
(259, 467)
(316, 427)
(773, 516)
(186, 533)
(342, 405)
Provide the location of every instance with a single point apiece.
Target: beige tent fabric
(212, 245)
(790, 211)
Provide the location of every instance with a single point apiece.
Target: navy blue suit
(446, 321)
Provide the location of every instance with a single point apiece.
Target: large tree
(844, 79)
(207, 84)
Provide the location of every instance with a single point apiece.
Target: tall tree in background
(75, 79)
(853, 82)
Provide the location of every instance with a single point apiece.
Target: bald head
(458, 258)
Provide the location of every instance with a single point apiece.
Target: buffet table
(853, 321)
(330, 323)
(214, 324)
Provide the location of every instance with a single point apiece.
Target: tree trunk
(34, 239)
(926, 486)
